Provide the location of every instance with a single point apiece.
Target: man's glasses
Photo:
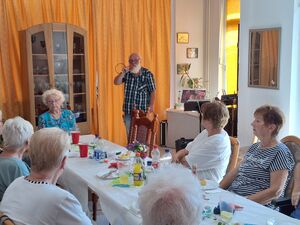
(133, 60)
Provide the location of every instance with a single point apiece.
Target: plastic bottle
(167, 157)
(97, 147)
(149, 168)
(138, 176)
(155, 157)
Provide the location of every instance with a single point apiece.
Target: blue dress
(66, 121)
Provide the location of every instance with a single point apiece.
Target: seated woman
(210, 151)
(35, 199)
(16, 135)
(266, 168)
(56, 116)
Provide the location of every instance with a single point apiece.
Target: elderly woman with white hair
(172, 196)
(35, 199)
(56, 116)
(16, 136)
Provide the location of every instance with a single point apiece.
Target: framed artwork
(192, 95)
(182, 37)
(192, 53)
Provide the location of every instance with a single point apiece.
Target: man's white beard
(136, 69)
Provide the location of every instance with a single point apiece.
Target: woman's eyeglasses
(53, 101)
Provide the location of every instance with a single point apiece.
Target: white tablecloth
(119, 204)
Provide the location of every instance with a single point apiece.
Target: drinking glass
(227, 208)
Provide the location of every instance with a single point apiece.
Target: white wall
(189, 17)
(201, 19)
(264, 14)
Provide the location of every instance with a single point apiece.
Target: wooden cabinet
(54, 55)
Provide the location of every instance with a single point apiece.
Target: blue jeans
(296, 213)
(127, 122)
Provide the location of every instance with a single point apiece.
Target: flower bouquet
(138, 147)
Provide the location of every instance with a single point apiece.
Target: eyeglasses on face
(52, 101)
(133, 60)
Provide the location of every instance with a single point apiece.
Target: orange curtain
(115, 29)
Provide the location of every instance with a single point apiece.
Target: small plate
(210, 185)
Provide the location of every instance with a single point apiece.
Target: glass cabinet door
(79, 78)
(60, 61)
(40, 70)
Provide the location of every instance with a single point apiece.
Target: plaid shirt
(137, 90)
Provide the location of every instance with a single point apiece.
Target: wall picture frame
(182, 37)
(192, 53)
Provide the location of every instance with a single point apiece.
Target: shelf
(82, 93)
(41, 75)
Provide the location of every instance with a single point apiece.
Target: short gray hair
(53, 92)
(16, 132)
(172, 196)
(47, 148)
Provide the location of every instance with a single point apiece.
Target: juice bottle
(138, 178)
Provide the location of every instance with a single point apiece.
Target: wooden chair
(235, 149)
(284, 204)
(144, 128)
(5, 220)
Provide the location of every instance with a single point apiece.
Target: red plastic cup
(75, 136)
(84, 148)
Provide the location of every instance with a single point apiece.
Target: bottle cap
(167, 150)
(137, 154)
(149, 163)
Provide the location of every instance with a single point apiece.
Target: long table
(119, 204)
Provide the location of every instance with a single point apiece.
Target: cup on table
(123, 175)
(84, 149)
(75, 136)
(227, 203)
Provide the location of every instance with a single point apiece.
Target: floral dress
(66, 121)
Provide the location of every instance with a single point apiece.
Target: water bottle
(155, 157)
(149, 168)
(98, 147)
(167, 157)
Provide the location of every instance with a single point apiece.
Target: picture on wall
(182, 37)
(192, 95)
(192, 52)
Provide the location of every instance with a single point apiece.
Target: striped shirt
(255, 171)
(137, 90)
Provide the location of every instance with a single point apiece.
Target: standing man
(139, 89)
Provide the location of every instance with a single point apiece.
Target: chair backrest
(5, 220)
(293, 143)
(235, 149)
(144, 128)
